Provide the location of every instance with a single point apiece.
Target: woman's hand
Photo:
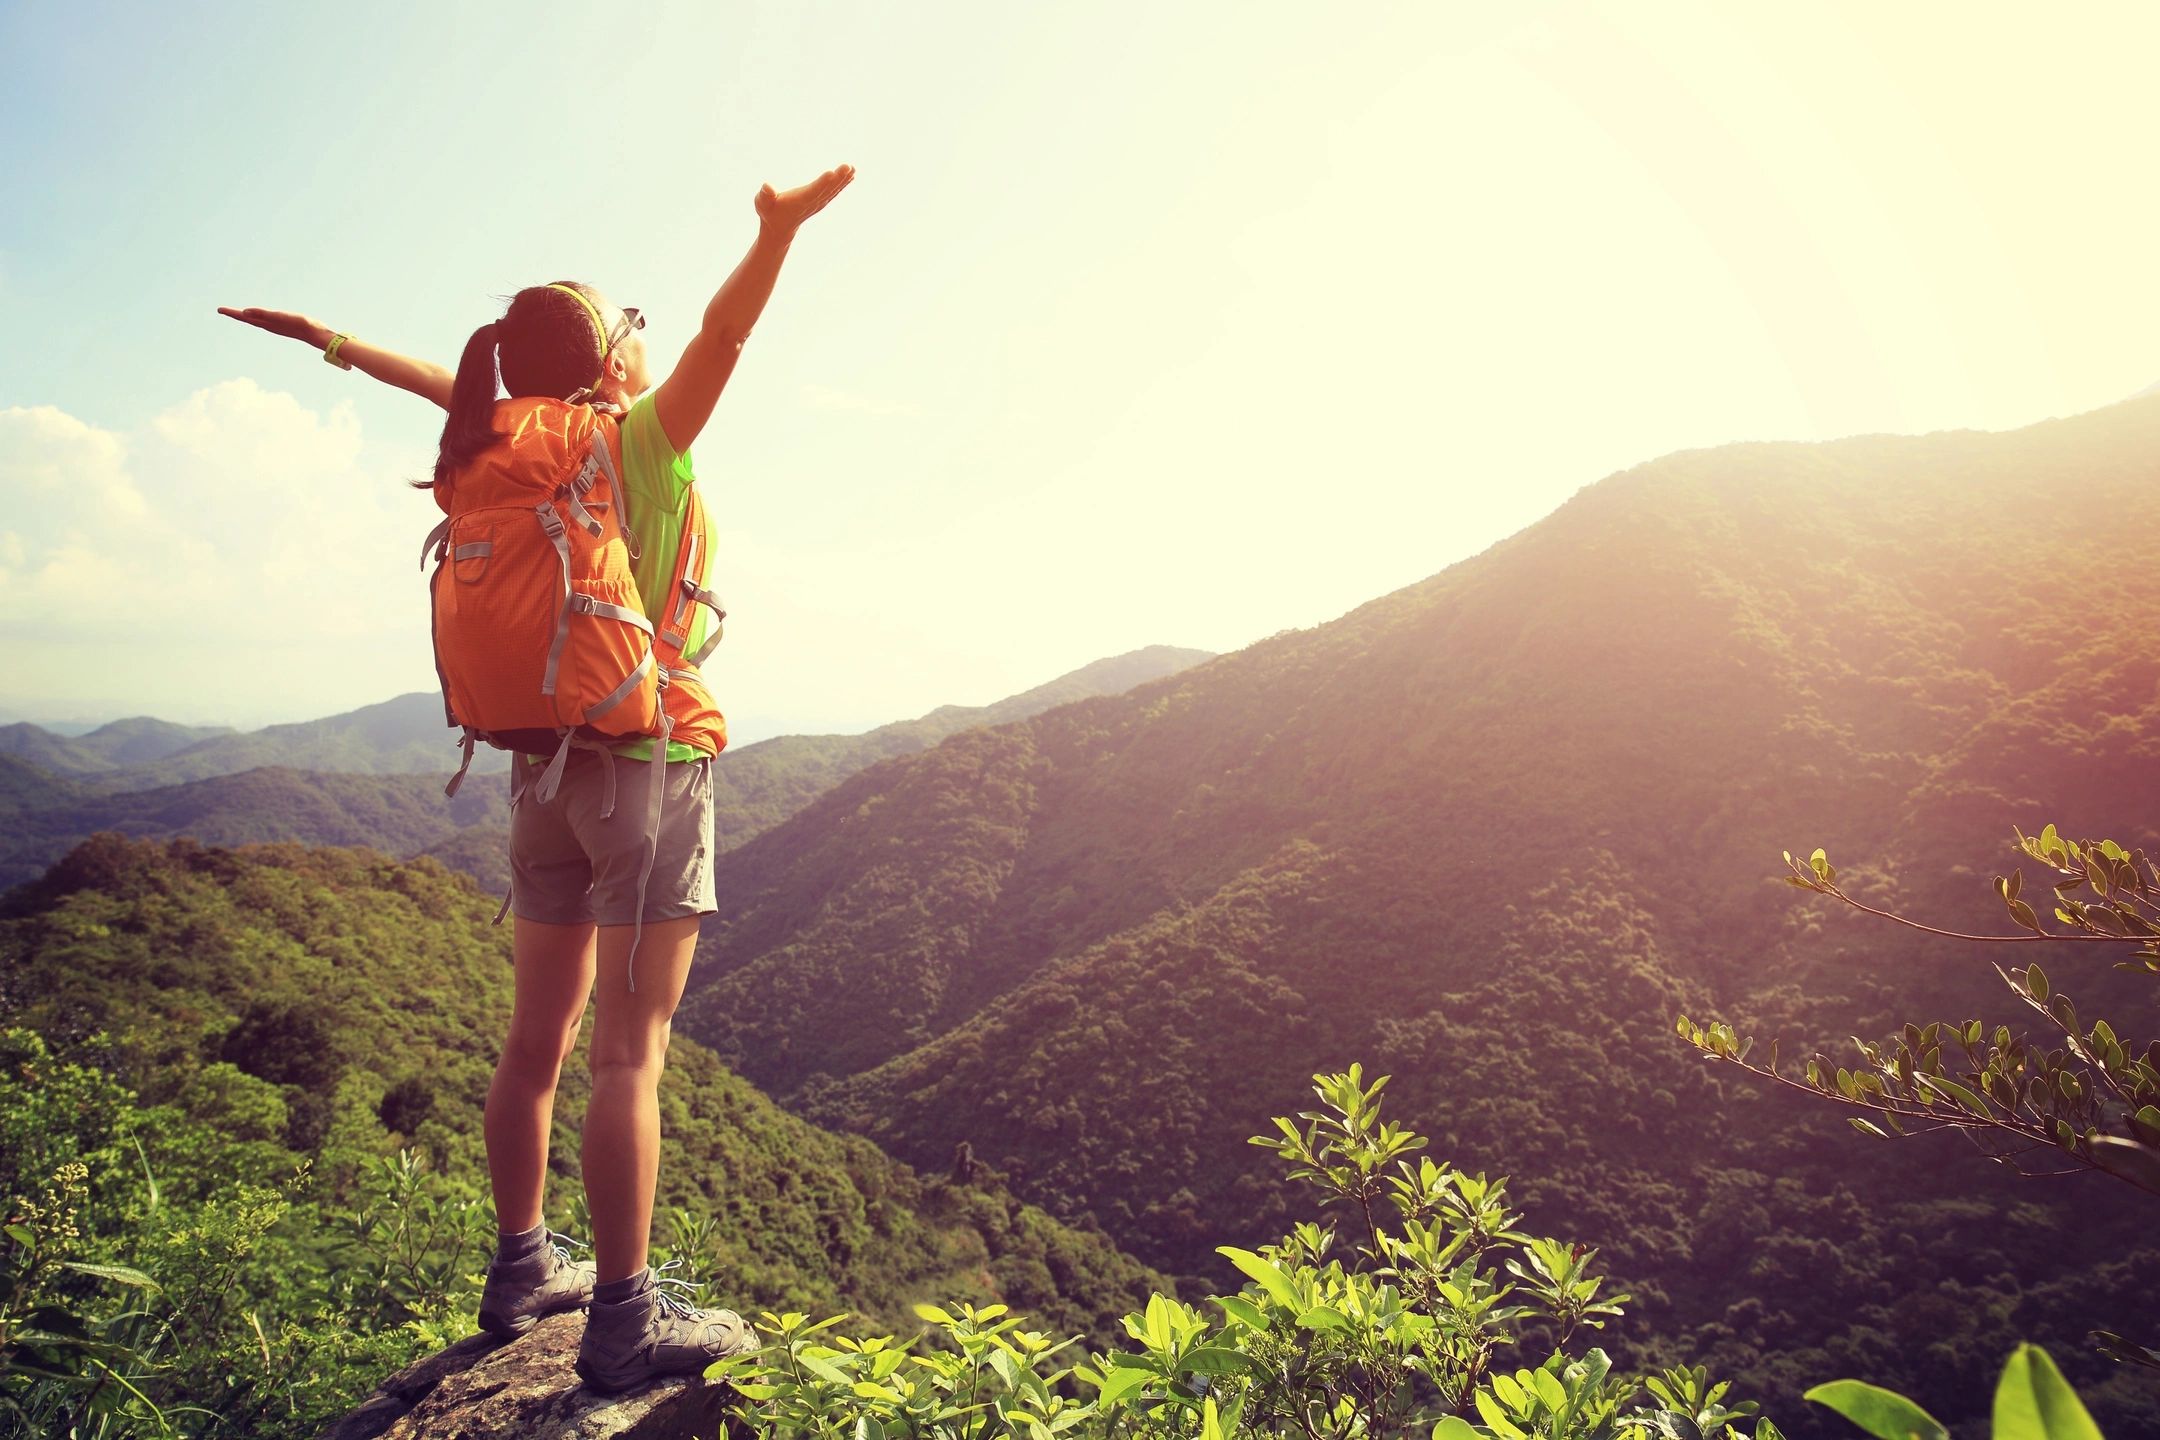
(285, 323)
(785, 212)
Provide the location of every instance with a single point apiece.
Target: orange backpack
(542, 641)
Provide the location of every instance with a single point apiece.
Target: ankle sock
(616, 1291)
(516, 1245)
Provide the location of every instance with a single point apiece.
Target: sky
(1140, 323)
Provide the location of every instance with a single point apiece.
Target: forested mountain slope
(337, 1004)
(1492, 832)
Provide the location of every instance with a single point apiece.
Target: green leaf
(21, 1235)
(824, 1369)
(1880, 1412)
(121, 1273)
(1454, 1427)
(2034, 1402)
(1958, 1093)
(1119, 1382)
(1320, 1317)
(2036, 983)
(1271, 1279)
(1243, 1311)
(934, 1314)
(1213, 1360)
(2129, 1160)
(1496, 1419)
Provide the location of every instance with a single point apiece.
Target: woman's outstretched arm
(429, 382)
(685, 400)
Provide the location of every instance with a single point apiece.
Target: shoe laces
(669, 1298)
(562, 1256)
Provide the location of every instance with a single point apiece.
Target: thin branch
(1829, 889)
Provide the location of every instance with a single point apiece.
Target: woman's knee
(538, 1053)
(644, 1061)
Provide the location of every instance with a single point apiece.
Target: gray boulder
(485, 1389)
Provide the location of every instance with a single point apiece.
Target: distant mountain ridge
(110, 747)
(330, 786)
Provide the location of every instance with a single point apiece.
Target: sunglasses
(632, 319)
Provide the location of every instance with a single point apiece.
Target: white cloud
(238, 547)
(262, 436)
(56, 461)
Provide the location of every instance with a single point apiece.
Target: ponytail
(471, 426)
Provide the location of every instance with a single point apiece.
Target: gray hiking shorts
(569, 864)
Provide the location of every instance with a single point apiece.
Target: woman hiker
(575, 861)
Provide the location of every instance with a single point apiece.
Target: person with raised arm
(594, 890)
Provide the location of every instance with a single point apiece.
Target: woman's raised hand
(283, 322)
(787, 210)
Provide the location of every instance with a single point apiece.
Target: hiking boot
(520, 1291)
(655, 1333)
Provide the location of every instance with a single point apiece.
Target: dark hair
(547, 344)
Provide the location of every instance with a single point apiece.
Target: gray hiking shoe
(654, 1333)
(520, 1291)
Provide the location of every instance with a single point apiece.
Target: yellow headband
(598, 324)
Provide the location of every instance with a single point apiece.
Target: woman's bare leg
(622, 1123)
(554, 976)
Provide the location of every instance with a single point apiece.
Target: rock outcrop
(486, 1389)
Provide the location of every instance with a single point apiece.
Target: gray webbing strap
(711, 602)
(623, 691)
(506, 900)
(607, 461)
(552, 523)
(476, 550)
(712, 640)
(520, 779)
(689, 582)
(584, 516)
(463, 765)
(599, 457)
(586, 605)
(551, 778)
(435, 537)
